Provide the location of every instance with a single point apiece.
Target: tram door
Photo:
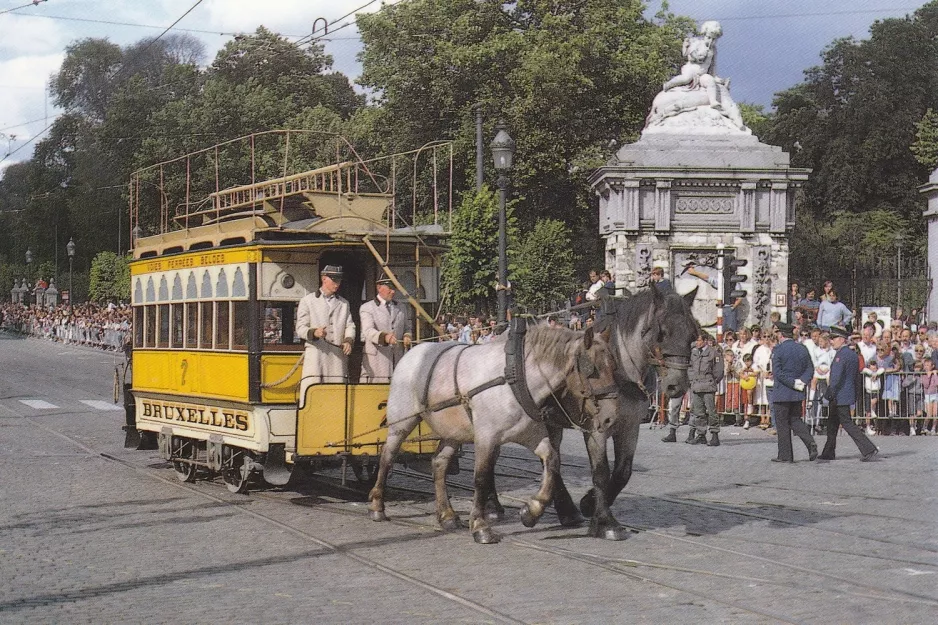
(354, 273)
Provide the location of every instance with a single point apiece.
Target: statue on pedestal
(697, 98)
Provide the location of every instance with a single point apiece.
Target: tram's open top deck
(346, 200)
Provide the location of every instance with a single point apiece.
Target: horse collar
(515, 374)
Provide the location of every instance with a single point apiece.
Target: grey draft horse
(460, 392)
(646, 329)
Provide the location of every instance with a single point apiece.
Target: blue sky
(765, 48)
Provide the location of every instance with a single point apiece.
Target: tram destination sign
(225, 419)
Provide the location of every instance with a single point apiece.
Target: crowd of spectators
(898, 363)
(106, 327)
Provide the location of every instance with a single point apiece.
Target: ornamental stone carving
(705, 205)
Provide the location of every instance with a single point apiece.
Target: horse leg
(603, 524)
(532, 511)
(567, 511)
(494, 511)
(624, 443)
(479, 527)
(396, 437)
(625, 440)
(445, 515)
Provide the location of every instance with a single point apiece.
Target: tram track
(300, 533)
(626, 568)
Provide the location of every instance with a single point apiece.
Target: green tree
(544, 267)
(925, 147)
(852, 120)
(567, 78)
(470, 267)
(109, 278)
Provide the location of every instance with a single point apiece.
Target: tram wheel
(237, 466)
(184, 449)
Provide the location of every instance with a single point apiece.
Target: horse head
(592, 381)
(676, 330)
(650, 328)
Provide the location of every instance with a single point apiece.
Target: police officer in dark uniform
(792, 370)
(841, 393)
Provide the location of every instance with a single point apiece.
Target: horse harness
(515, 377)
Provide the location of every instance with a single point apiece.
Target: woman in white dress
(762, 364)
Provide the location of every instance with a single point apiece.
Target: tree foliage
(925, 147)
(544, 267)
(854, 121)
(470, 267)
(109, 278)
(568, 78)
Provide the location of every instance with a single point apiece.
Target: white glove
(799, 385)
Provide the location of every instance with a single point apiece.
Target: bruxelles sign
(232, 420)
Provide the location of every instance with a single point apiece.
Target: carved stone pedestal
(675, 198)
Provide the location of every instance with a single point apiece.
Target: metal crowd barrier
(105, 337)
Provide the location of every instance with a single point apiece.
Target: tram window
(149, 335)
(162, 339)
(177, 325)
(240, 326)
(192, 325)
(222, 325)
(207, 320)
(138, 326)
(279, 322)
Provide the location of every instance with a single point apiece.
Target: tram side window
(162, 339)
(222, 325)
(149, 336)
(239, 333)
(207, 320)
(279, 323)
(192, 325)
(177, 324)
(138, 326)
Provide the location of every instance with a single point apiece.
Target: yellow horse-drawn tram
(215, 288)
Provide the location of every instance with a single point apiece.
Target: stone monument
(930, 190)
(697, 191)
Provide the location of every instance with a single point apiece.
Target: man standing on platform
(384, 333)
(324, 321)
(792, 370)
(841, 393)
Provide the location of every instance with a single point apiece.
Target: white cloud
(27, 35)
(23, 82)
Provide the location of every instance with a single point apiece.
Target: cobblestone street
(93, 532)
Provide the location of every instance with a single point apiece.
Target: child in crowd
(872, 374)
(930, 391)
(731, 403)
(748, 379)
(915, 398)
(891, 363)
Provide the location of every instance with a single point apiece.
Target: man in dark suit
(841, 393)
(792, 370)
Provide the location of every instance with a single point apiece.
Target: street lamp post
(70, 249)
(29, 275)
(503, 150)
(899, 241)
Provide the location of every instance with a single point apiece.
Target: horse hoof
(588, 504)
(486, 536)
(527, 517)
(572, 520)
(450, 524)
(378, 515)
